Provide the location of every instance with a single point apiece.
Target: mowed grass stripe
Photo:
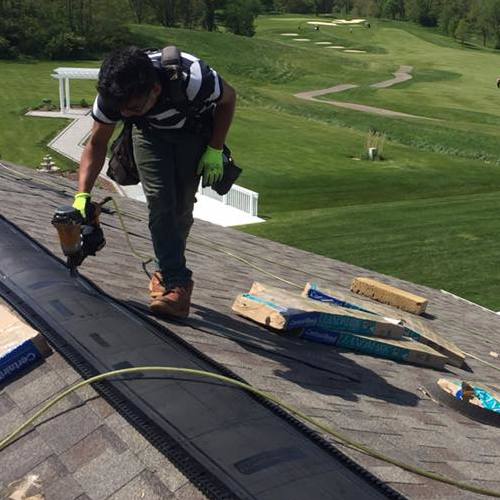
(447, 243)
(426, 213)
(308, 165)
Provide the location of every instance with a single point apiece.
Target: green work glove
(81, 203)
(211, 166)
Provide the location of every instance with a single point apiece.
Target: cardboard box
(414, 327)
(284, 310)
(20, 345)
(388, 294)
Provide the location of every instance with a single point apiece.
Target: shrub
(375, 139)
(66, 45)
(46, 105)
(6, 50)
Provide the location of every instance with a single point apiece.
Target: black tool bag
(122, 167)
(231, 173)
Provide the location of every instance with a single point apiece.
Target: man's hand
(211, 166)
(81, 203)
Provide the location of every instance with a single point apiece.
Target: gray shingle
(67, 423)
(126, 433)
(163, 468)
(35, 387)
(392, 474)
(91, 447)
(107, 473)
(384, 408)
(29, 451)
(144, 486)
(188, 492)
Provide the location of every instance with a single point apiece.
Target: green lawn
(23, 85)
(427, 213)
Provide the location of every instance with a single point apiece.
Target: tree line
(78, 29)
(73, 29)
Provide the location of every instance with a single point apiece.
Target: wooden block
(283, 310)
(406, 351)
(388, 294)
(414, 327)
(262, 312)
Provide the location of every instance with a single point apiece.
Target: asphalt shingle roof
(84, 449)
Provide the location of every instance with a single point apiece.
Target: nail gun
(79, 237)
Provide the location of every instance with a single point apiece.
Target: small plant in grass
(374, 148)
(84, 103)
(45, 105)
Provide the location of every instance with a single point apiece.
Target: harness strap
(171, 62)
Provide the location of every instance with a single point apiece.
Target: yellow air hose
(338, 437)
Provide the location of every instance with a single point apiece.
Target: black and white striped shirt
(203, 89)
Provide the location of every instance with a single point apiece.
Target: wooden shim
(283, 310)
(420, 332)
(260, 311)
(406, 351)
(388, 294)
(413, 327)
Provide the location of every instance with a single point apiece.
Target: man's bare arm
(93, 156)
(223, 116)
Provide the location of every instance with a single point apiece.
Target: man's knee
(185, 222)
(160, 206)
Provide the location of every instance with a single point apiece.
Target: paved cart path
(401, 75)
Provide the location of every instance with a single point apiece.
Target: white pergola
(64, 75)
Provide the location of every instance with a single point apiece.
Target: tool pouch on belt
(122, 167)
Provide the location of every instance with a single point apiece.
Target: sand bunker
(321, 23)
(323, 43)
(352, 21)
(289, 34)
(287, 19)
(302, 39)
(354, 51)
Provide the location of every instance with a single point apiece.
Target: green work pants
(167, 161)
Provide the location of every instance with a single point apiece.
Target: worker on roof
(174, 145)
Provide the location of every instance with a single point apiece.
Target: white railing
(237, 197)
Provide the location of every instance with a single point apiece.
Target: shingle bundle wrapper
(349, 328)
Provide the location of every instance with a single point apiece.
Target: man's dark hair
(125, 74)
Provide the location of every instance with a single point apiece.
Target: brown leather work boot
(174, 301)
